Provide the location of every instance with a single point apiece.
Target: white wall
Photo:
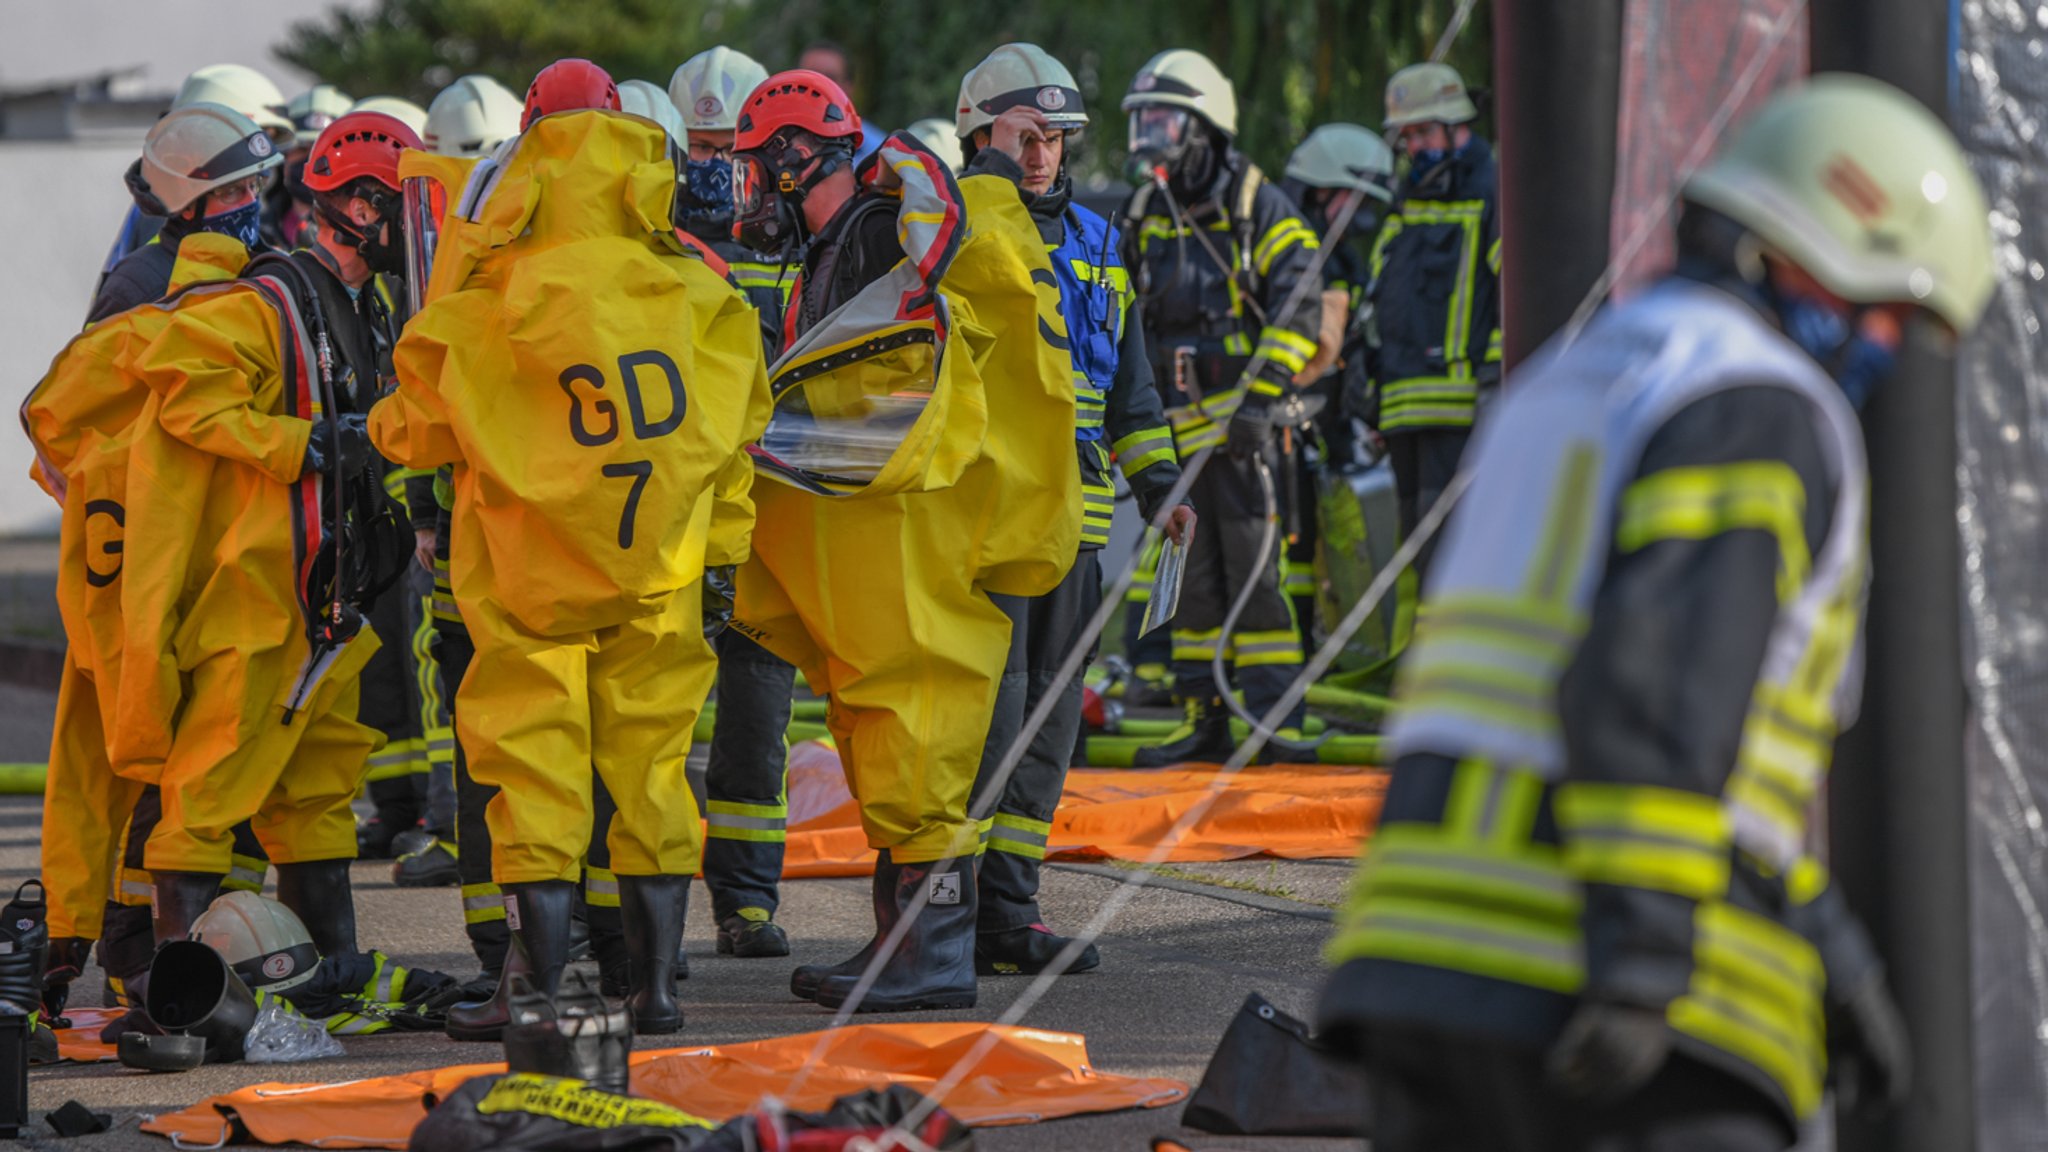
(60, 205)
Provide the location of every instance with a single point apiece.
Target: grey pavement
(1176, 965)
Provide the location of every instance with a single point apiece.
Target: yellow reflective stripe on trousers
(245, 874)
(1641, 836)
(1265, 649)
(1019, 835)
(1756, 994)
(399, 758)
(1483, 691)
(1697, 503)
(482, 903)
(1297, 577)
(1189, 644)
(600, 887)
(755, 823)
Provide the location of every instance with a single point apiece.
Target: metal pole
(1557, 74)
(1899, 802)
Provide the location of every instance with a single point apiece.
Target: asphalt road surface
(1176, 965)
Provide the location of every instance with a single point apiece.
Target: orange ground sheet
(1292, 811)
(1026, 1077)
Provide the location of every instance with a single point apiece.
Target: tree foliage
(1296, 63)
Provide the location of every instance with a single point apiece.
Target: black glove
(1870, 1057)
(68, 956)
(355, 445)
(1609, 1049)
(720, 588)
(1251, 428)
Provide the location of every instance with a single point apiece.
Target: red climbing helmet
(570, 85)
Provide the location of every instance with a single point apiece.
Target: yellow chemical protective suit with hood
(190, 522)
(594, 387)
(878, 592)
(79, 417)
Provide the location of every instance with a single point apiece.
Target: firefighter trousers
(1263, 651)
(746, 783)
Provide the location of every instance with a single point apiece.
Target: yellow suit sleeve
(206, 368)
(412, 426)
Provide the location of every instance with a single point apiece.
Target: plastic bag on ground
(282, 1036)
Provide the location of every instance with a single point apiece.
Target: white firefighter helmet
(262, 940)
(1182, 78)
(936, 133)
(200, 147)
(710, 87)
(648, 101)
(1866, 190)
(472, 116)
(1018, 74)
(314, 109)
(398, 108)
(242, 88)
(1428, 94)
(1344, 156)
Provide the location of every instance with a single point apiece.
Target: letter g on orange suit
(593, 387)
(876, 583)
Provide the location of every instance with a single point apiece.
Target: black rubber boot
(180, 899)
(1027, 951)
(653, 915)
(539, 952)
(1203, 738)
(805, 980)
(933, 965)
(608, 947)
(318, 891)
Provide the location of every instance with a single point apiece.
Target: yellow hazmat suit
(186, 521)
(79, 417)
(594, 389)
(879, 593)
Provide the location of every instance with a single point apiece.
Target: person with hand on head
(1590, 916)
(1020, 115)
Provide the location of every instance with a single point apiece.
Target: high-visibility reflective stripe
(1529, 627)
(245, 874)
(1297, 577)
(482, 903)
(753, 823)
(354, 1024)
(1567, 528)
(1424, 932)
(600, 886)
(1289, 349)
(1432, 401)
(1696, 503)
(1756, 993)
(1118, 279)
(1237, 343)
(1019, 836)
(1196, 645)
(1498, 695)
(1142, 449)
(441, 746)
(137, 888)
(399, 758)
(1288, 232)
(1266, 649)
(1642, 836)
(1098, 513)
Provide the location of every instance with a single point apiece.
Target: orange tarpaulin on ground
(1293, 811)
(1027, 1076)
(81, 1041)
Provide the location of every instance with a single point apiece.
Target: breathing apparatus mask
(381, 244)
(1167, 138)
(768, 190)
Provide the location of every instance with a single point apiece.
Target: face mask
(244, 224)
(707, 192)
(1858, 363)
